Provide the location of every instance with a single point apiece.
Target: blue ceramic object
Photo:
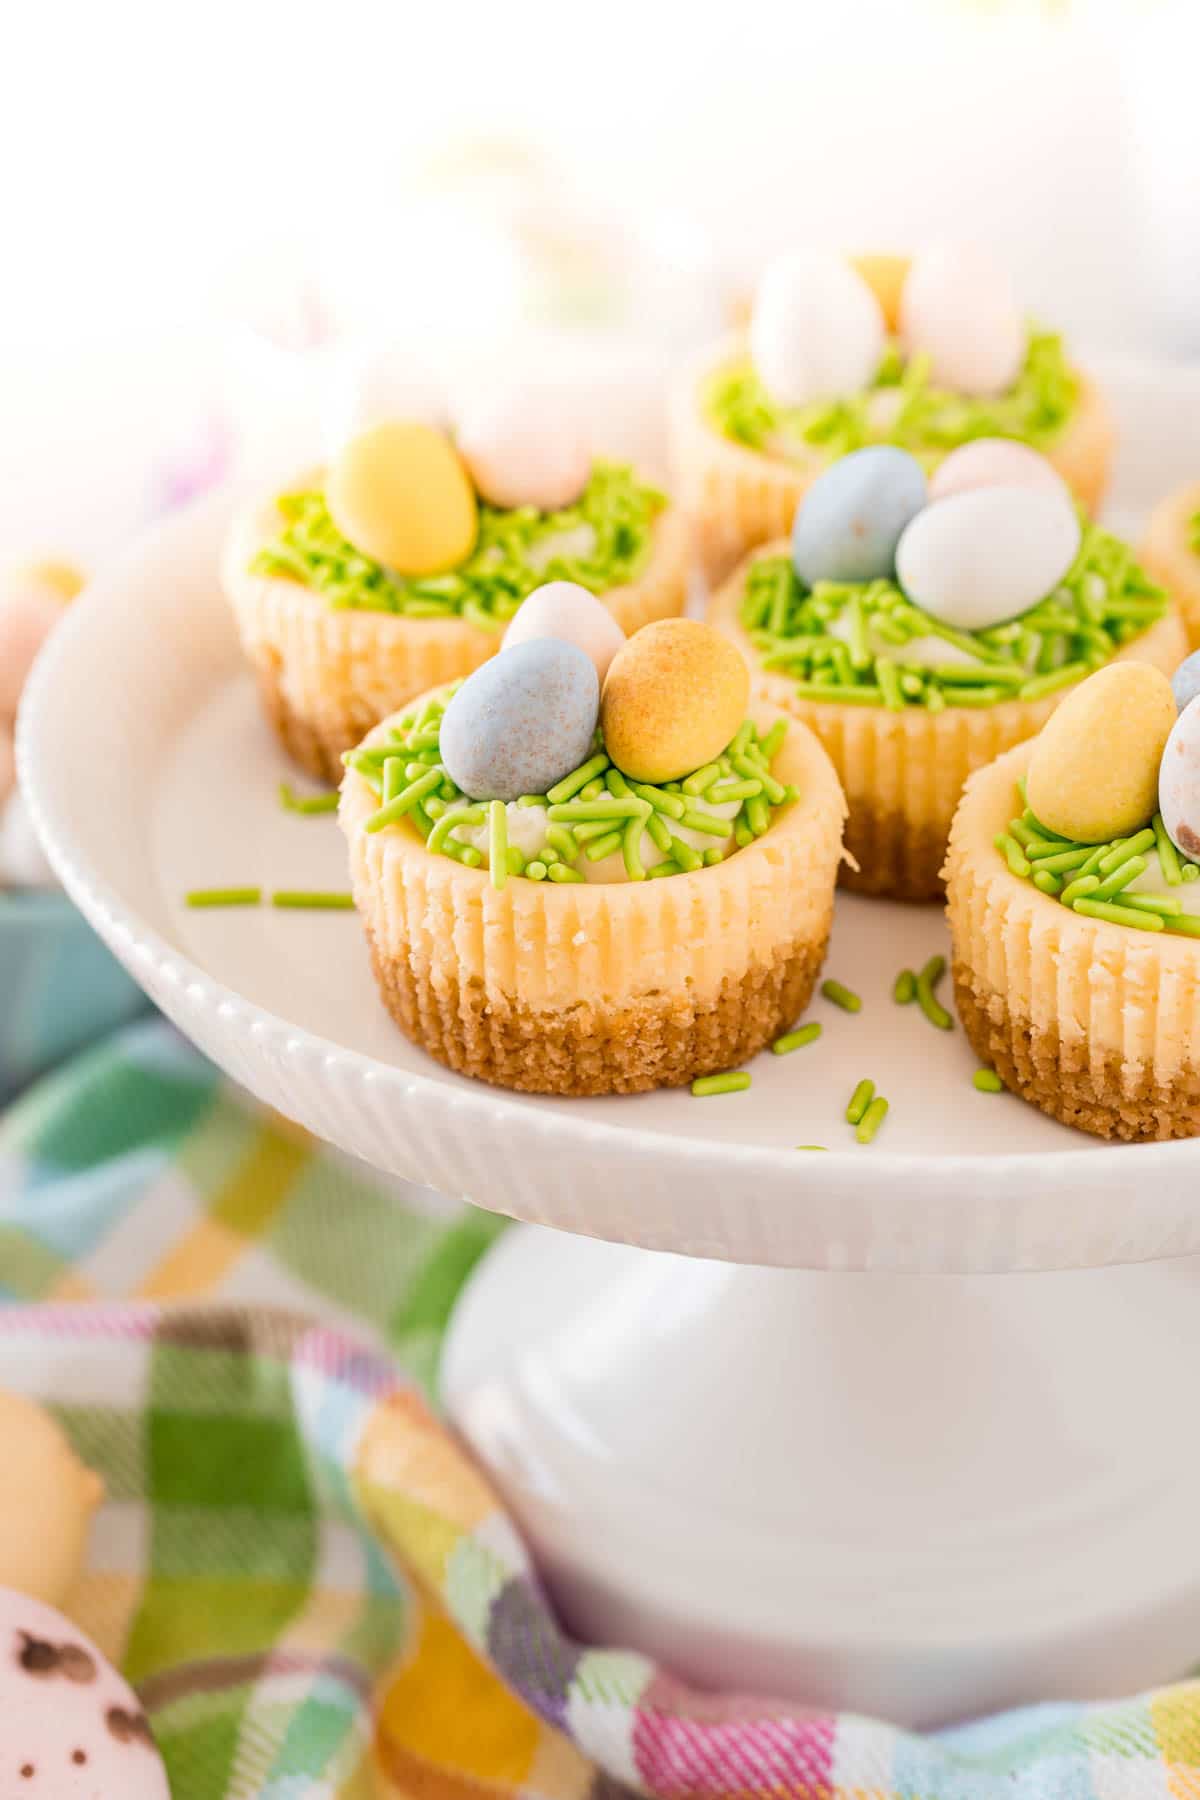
(60, 988)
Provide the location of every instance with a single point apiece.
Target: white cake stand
(898, 1428)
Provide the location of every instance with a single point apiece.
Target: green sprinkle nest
(605, 542)
(928, 420)
(1094, 879)
(1194, 532)
(844, 642)
(591, 813)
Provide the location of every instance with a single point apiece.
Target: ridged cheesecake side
(611, 988)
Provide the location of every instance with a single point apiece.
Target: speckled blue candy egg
(522, 721)
(1186, 680)
(851, 518)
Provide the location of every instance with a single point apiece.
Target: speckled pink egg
(1179, 782)
(563, 609)
(523, 448)
(995, 462)
(8, 764)
(70, 1727)
(28, 614)
(960, 311)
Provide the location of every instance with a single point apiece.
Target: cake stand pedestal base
(922, 1497)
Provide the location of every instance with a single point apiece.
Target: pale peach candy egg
(960, 312)
(523, 448)
(995, 462)
(563, 609)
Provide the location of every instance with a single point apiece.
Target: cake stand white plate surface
(912, 1489)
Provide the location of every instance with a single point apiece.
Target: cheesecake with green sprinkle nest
(1077, 964)
(338, 641)
(610, 935)
(908, 706)
(742, 463)
(1171, 551)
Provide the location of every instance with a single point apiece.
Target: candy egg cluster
(820, 322)
(404, 492)
(990, 537)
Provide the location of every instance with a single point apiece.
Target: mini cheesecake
(337, 642)
(633, 936)
(903, 754)
(1087, 1009)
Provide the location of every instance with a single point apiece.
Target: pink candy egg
(960, 312)
(72, 1727)
(563, 609)
(522, 448)
(28, 614)
(995, 462)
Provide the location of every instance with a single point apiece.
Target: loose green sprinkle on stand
(1035, 409)
(735, 1082)
(293, 802)
(987, 1081)
(601, 542)
(812, 1146)
(313, 900)
(904, 991)
(844, 642)
(842, 996)
(1096, 878)
(592, 813)
(872, 1119)
(859, 1101)
(927, 999)
(231, 896)
(796, 1040)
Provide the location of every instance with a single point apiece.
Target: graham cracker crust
(657, 1040)
(895, 858)
(1093, 1093)
(315, 744)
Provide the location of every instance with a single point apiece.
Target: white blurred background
(201, 203)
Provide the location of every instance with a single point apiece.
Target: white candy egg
(995, 462)
(375, 386)
(817, 329)
(563, 609)
(984, 556)
(961, 312)
(1179, 782)
(523, 447)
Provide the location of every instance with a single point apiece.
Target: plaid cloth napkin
(314, 1591)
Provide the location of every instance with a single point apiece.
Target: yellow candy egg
(885, 276)
(401, 495)
(675, 695)
(1093, 774)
